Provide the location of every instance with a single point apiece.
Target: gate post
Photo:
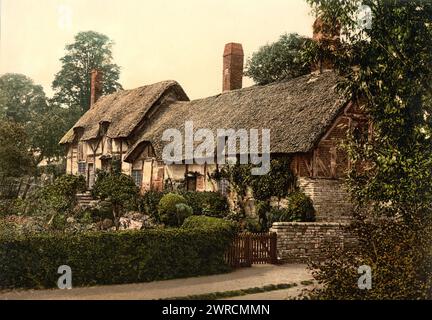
(273, 248)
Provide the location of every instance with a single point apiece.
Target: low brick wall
(298, 242)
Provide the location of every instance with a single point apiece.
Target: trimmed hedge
(113, 257)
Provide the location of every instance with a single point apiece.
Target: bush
(117, 188)
(57, 197)
(148, 203)
(203, 222)
(207, 203)
(301, 207)
(168, 210)
(99, 258)
(253, 225)
(9, 207)
(400, 258)
(282, 215)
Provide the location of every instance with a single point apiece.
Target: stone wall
(297, 242)
(330, 199)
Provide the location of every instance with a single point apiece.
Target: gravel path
(257, 276)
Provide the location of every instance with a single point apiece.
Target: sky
(156, 40)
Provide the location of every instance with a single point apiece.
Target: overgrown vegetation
(279, 184)
(388, 71)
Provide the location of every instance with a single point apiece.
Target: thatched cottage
(305, 115)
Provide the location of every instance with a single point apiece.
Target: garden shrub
(99, 258)
(148, 203)
(117, 188)
(252, 225)
(182, 212)
(301, 207)
(207, 203)
(204, 222)
(167, 209)
(58, 197)
(16, 206)
(399, 255)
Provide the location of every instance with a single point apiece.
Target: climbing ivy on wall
(278, 182)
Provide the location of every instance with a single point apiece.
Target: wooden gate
(252, 248)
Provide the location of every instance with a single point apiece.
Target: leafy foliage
(388, 71)
(400, 259)
(204, 222)
(278, 182)
(58, 197)
(23, 102)
(112, 257)
(148, 203)
(20, 98)
(280, 60)
(207, 203)
(90, 50)
(169, 211)
(15, 159)
(117, 188)
(299, 208)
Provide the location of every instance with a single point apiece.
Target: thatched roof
(123, 110)
(297, 111)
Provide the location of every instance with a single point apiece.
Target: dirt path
(257, 276)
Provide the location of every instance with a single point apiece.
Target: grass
(236, 293)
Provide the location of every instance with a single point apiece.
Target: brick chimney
(232, 66)
(328, 36)
(95, 86)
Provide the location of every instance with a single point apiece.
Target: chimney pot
(95, 86)
(232, 66)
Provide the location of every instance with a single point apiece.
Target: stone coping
(318, 224)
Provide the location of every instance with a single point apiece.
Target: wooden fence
(252, 248)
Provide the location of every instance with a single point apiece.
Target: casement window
(137, 177)
(80, 151)
(82, 168)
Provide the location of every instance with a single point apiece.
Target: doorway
(90, 175)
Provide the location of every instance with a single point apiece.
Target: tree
(20, 98)
(280, 60)
(388, 71)
(15, 159)
(91, 50)
(45, 131)
(25, 103)
(117, 188)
